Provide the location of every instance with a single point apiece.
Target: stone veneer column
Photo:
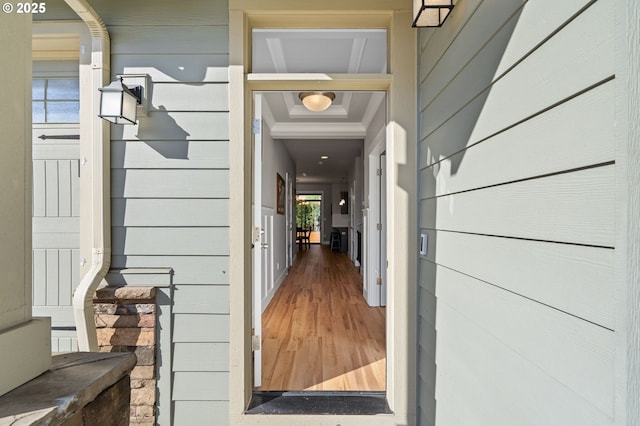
(125, 321)
(25, 342)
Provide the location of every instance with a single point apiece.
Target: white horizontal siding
(169, 212)
(172, 68)
(517, 195)
(201, 386)
(170, 241)
(190, 96)
(201, 413)
(547, 138)
(201, 357)
(201, 328)
(173, 183)
(186, 39)
(190, 270)
(201, 299)
(573, 207)
(170, 154)
(165, 125)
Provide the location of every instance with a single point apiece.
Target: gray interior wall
(170, 185)
(516, 194)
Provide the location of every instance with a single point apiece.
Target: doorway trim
(401, 205)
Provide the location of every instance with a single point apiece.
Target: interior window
(55, 100)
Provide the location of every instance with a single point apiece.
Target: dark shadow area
(318, 402)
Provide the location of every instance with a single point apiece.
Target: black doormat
(318, 402)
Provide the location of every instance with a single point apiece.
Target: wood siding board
(170, 241)
(175, 68)
(137, 183)
(427, 271)
(201, 386)
(200, 328)
(170, 154)
(573, 279)
(201, 412)
(187, 270)
(201, 299)
(187, 39)
(184, 126)
(201, 357)
(479, 46)
(484, 379)
(62, 225)
(53, 277)
(65, 283)
(573, 207)
(547, 138)
(162, 12)
(39, 277)
(134, 212)
(586, 59)
(39, 194)
(64, 173)
(51, 188)
(440, 41)
(574, 352)
(190, 96)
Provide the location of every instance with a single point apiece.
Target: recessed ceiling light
(320, 162)
(324, 157)
(304, 174)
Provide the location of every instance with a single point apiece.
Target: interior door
(383, 232)
(257, 242)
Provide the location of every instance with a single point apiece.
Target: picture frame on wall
(280, 194)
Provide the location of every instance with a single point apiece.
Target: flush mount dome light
(317, 101)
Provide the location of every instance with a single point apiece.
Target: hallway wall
(516, 194)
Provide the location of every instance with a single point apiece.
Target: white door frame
(402, 138)
(257, 239)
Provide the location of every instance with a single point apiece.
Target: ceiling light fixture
(324, 157)
(317, 101)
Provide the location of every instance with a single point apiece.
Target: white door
(257, 243)
(383, 232)
(56, 207)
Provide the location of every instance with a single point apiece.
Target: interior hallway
(318, 331)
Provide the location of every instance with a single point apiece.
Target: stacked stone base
(125, 321)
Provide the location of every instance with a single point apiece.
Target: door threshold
(319, 402)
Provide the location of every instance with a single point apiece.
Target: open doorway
(314, 328)
(308, 219)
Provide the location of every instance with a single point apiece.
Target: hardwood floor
(318, 331)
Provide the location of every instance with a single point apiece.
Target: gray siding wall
(170, 185)
(516, 193)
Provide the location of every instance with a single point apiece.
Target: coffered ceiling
(337, 132)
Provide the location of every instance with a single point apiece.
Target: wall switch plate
(424, 244)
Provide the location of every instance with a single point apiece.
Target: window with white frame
(55, 100)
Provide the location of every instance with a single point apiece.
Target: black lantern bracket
(139, 85)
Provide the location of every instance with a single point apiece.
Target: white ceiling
(339, 131)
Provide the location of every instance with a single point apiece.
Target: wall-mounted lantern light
(430, 13)
(118, 103)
